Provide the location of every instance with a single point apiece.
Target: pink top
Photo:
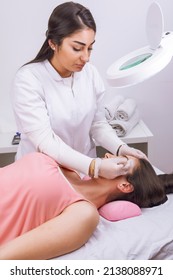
(32, 191)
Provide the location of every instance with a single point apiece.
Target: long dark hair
(65, 20)
(167, 181)
(150, 189)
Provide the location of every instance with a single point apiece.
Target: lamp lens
(135, 61)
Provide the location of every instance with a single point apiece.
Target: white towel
(112, 106)
(126, 109)
(124, 127)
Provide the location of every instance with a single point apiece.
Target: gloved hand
(126, 150)
(111, 168)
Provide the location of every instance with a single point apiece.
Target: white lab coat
(61, 116)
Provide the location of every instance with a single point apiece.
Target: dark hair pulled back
(65, 20)
(150, 189)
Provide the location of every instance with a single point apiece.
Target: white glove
(126, 150)
(111, 168)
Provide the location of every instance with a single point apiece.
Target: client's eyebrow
(126, 157)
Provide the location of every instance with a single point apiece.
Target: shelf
(139, 134)
(5, 143)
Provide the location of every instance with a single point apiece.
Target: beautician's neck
(62, 72)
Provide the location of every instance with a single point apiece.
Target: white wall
(121, 29)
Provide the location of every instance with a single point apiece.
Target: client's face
(131, 164)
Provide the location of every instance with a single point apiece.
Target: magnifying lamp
(144, 63)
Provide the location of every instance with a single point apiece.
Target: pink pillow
(119, 210)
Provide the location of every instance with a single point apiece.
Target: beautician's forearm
(105, 136)
(52, 145)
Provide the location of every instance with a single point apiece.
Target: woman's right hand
(111, 168)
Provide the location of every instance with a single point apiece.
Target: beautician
(57, 99)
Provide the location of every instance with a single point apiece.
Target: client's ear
(125, 187)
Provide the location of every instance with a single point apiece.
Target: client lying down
(48, 211)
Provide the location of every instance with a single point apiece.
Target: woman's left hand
(126, 150)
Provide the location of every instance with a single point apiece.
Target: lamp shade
(145, 62)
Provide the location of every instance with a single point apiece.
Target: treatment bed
(148, 236)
